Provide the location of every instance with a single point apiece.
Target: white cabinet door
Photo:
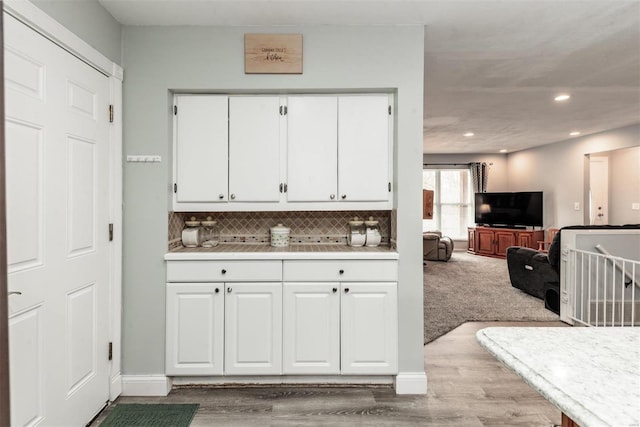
(369, 332)
(195, 329)
(201, 152)
(311, 316)
(363, 148)
(312, 151)
(254, 149)
(253, 329)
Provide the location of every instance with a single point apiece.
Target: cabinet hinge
(389, 109)
(110, 351)
(389, 186)
(175, 110)
(110, 113)
(175, 187)
(111, 232)
(283, 110)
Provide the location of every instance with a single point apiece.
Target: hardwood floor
(466, 387)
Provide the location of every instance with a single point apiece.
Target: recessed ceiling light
(574, 133)
(504, 150)
(469, 134)
(562, 97)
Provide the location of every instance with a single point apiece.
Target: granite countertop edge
(569, 405)
(249, 251)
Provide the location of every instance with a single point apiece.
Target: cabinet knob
(217, 290)
(223, 271)
(333, 196)
(341, 271)
(344, 196)
(335, 290)
(220, 196)
(14, 293)
(233, 196)
(229, 289)
(346, 290)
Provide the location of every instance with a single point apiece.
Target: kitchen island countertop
(591, 374)
(231, 251)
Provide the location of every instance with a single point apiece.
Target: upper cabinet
(270, 152)
(201, 149)
(254, 149)
(312, 148)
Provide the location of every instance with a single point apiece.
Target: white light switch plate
(635, 206)
(576, 206)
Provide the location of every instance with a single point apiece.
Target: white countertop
(230, 251)
(591, 374)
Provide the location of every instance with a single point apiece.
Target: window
(452, 204)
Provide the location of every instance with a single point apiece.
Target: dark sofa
(538, 273)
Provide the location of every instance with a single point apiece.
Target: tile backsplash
(307, 227)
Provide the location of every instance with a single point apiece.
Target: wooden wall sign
(273, 53)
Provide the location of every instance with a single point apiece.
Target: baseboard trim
(337, 380)
(146, 385)
(411, 383)
(115, 387)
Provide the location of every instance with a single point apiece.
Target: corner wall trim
(411, 383)
(146, 385)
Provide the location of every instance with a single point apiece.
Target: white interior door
(57, 231)
(599, 190)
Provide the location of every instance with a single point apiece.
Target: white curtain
(479, 176)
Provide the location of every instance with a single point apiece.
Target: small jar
(373, 232)
(280, 235)
(356, 232)
(192, 234)
(211, 236)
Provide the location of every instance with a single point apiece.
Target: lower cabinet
(311, 328)
(195, 329)
(333, 328)
(253, 329)
(318, 318)
(495, 241)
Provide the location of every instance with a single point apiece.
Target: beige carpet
(474, 288)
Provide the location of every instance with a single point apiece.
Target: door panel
(599, 190)
(57, 198)
(369, 328)
(312, 148)
(311, 320)
(363, 148)
(253, 328)
(195, 329)
(504, 239)
(254, 149)
(202, 148)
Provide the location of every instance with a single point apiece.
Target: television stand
(494, 241)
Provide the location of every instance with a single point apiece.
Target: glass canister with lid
(356, 232)
(192, 233)
(373, 232)
(211, 234)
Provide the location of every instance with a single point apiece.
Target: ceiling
(491, 67)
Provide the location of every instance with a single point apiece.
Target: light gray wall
(90, 21)
(497, 180)
(158, 60)
(624, 185)
(559, 170)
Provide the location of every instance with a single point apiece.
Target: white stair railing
(602, 289)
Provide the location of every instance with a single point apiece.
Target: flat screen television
(522, 208)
